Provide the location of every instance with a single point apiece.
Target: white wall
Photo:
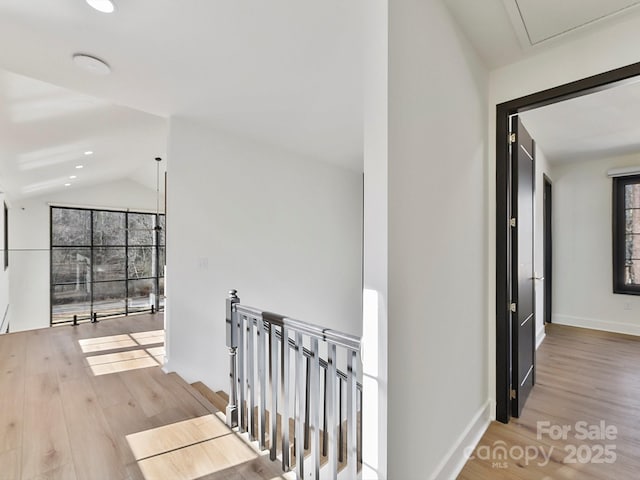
(375, 301)
(285, 231)
(29, 243)
(601, 51)
(542, 168)
(583, 293)
(438, 398)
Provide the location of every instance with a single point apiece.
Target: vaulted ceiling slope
(52, 138)
(285, 72)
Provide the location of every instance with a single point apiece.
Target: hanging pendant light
(158, 227)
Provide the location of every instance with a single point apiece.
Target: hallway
(582, 419)
(91, 402)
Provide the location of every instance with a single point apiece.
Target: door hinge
(512, 222)
(512, 138)
(512, 394)
(512, 307)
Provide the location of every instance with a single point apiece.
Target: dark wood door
(522, 297)
(548, 249)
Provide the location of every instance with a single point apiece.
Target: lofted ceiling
(45, 131)
(284, 72)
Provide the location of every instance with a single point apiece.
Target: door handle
(537, 278)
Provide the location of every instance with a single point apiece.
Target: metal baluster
(251, 380)
(242, 352)
(315, 408)
(284, 392)
(300, 391)
(352, 454)
(231, 412)
(331, 433)
(306, 406)
(262, 395)
(273, 384)
(325, 434)
(340, 429)
(360, 429)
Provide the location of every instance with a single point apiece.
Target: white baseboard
(166, 366)
(455, 460)
(596, 324)
(540, 338)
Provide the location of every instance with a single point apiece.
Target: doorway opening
(506, 349)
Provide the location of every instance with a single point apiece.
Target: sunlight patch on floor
(189, 449)
(127, 358)
(100, 344)
(124, 365)
(158, 353)
(148, 338)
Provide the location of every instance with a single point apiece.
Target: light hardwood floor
(582, 376)
(91, 402)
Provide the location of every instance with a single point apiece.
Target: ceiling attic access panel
(537, 21)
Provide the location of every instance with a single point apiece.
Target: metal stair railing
(284, 377)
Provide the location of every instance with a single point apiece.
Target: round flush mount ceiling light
(104, 6)
(91, 64)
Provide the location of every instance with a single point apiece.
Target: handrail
(325, 334)
(254, 313)
(265, 374)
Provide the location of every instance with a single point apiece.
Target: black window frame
(620, 234)
(160, 245)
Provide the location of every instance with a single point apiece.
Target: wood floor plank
(11, 408)
(66, 356)
(65, 472)
(182, 399)
(40, 358)
(110, 390)
(148, 392)
(61, 421)
(95, 455)
(10, 465)
(125, 419)
(45, 445)
(581, 375)
(176, 435)
(12, 351)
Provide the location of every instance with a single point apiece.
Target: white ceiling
(505, 31)
(285, 72)
(599, 125)
(545, 19)
(45, 131)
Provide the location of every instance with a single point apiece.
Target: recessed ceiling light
(67, 184)
(79, 166)
(104, 6)
(88, 152)
(72, 177)
(91, 64)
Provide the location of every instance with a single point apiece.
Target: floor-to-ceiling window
(105, 263)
